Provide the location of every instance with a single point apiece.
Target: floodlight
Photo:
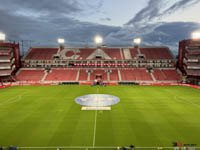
(98, 39)
(61, 41)
(2, 36)
(137, 41)
(196, 35)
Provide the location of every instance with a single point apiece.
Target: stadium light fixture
(196, 35)
(137, 41)
(61, 41)
(98, 40)
(2, 36)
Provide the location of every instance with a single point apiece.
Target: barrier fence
(142, 84)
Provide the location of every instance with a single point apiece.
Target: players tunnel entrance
(98, 79)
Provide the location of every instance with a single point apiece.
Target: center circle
(97, 100)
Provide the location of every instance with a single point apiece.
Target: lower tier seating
(114, 75)
(126, 74)
(166, 75)
(62, 75)
(135, 75)
(30, 75)
(83, 75)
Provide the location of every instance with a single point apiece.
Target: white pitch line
(11, 100)
(95, 123)
(186, 101)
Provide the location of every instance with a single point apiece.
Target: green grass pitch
(145, 116)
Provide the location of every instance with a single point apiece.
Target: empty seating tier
(83, 76)
(61, 75)
(41, 53)
(133, 52)
(84, 53)
(135, 75)
(114, 75)
(156, 53)
(30, 75)
(166, 75)
(114, 53)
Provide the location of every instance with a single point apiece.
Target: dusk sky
(156, 22)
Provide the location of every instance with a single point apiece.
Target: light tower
(61, 42)
(98, 40)
(137, 42)
(196, 35)
(2, 37)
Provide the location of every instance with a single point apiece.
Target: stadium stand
(41, 53)
(9, 60)
(30, 75)
(133, 52)
(113, 53)
(166, 75)
(83, 76)
(114, 75)
(62, 74)
(135, 75)
(79, 64)
(189, 60)
(157, 53)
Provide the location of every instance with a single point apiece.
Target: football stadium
(100, 97)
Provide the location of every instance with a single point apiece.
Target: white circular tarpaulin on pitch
(97, 100)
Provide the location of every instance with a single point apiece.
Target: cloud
(105, 19)
(51, 21)
(44, 22)
(157, 9)
(147, 25)
(158, 34)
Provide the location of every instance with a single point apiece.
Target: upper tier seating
(166, 75)
(41, 53)
(135, 75)
(156, 53)
(114, 53)
(193, 72)
(133, 52)
(194, 64)
(30, 75)
(85, 53)
(60, 74)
